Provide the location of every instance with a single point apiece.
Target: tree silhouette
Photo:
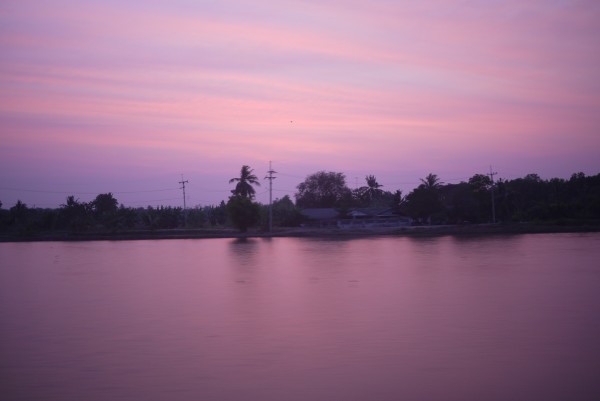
(104, 203)
(398, 202)
(74, 214)
(431, 181)
(18, 213)
(244, 184)
(480, 182)
(323, 189)
(424, 201)
(285, 213)
(373, 189)
(105, 208)
(243, 212)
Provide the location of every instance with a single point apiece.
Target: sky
(130, 96)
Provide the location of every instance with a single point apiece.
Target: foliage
(195, 218)
(423, 202)
(104, 208)
(480, 182)
(398, 203)
(323, 189)
(372, 191)
(126, 218)
(24, 220)
(529, 198)
(243, 212)
(285, 213)
(216, 215)
(162, 217)
(75, 215)
(18, 213)
(431, 182)
(105, 204)
(244, 184)
(462, 204)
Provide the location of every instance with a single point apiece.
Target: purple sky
(125, 96)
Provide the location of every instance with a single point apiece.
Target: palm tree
(244, 184)
(372, 190)
(431, 181)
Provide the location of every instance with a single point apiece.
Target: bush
(243, 212)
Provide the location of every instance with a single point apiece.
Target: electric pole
(182, 182)
(492, 174)
(270, 177)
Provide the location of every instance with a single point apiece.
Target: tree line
(477, 200)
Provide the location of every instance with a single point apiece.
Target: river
(390, 318)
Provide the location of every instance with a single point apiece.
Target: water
(493, 318)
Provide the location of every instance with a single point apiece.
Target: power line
(447, 180)
(492, 174)
(150, 200)
(84, 193)
(143, 191)
(182, 182)
(291, 175)
(270, 177)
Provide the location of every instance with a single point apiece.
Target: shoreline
(306, 232)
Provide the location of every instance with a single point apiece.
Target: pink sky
(125, 96)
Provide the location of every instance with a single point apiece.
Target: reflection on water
(494, 318)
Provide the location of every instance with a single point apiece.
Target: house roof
(331, 213)
(320, 213)
(371, 212)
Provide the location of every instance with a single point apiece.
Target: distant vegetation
(432, 202)
(242, 211)
(530, 198)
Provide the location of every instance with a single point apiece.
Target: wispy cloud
(358, 85)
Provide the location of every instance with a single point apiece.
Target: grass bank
(409, 231)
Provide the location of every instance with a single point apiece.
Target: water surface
(492, 318)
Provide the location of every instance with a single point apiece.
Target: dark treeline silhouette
(557, 201)
(433, 202)
(523, 199)
(242, 211)
(105, 214)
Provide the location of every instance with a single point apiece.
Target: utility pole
(492, 174)
(182, 182)
(270, 178)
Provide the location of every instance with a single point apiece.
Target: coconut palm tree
(372, 190)
(244, 184)
(431, 181)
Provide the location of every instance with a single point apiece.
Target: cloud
(384, 84)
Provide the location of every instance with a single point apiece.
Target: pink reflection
(385, 318)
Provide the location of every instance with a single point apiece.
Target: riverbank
(303, 232)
